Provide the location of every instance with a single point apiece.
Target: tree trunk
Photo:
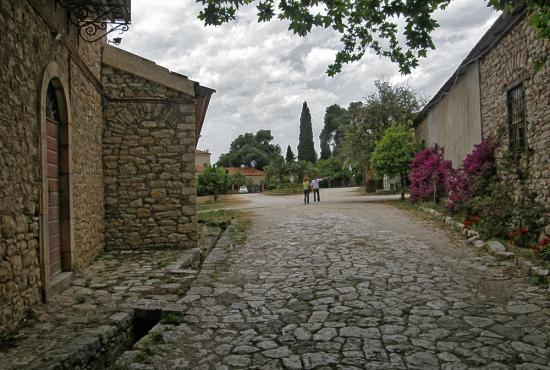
(402, 178)
(368, 179)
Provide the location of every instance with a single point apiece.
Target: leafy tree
(214, 181)
(393, 154)
(325, 146)
(299, 169)
(237, 179)
(306, 149)
(399, 30)
(333, 131)
(277, 169)
(333, 170)
(251, 150)
(367, 121)
(290, 157)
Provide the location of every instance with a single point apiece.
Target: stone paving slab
(349, 284)
(89, 324)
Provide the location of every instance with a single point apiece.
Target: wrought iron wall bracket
(97, 19)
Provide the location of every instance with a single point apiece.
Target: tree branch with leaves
(400, 30)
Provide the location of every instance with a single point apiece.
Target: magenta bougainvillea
(460, 188)
(481, 161)
(429, 171)
(464, 183)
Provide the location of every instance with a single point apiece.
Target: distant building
(202, 160)
(498, 92)
(254, 176)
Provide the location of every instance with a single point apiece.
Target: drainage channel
(144, 321)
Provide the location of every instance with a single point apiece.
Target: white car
(243, 190)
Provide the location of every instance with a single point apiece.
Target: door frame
(54, 75)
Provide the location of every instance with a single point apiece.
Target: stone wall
(27, 46)
(149, 164)
(512, 60)
(87, 174)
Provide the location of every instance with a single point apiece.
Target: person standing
(306, 187)
(315, 187)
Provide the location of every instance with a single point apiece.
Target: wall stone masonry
(87, 162)
(28, 46)
(149, 164)
(510, 61)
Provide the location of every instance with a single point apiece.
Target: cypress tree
(289, 155)
(306, 150)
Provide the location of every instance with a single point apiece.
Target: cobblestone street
(347, 284)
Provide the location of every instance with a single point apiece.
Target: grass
(7, 340)
(219, 217)
(173, 318)
(156, 338)
(207, 203)
(80, 299)
(284, 191)
(163, 263)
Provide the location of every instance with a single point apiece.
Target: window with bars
(516, 118)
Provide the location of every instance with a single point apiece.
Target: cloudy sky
(263, 73)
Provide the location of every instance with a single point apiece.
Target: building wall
(87, 160)
(149, 164)
(511, 60)
(202, 159)
(27, 47)
(454, 122)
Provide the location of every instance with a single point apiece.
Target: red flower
(523, 231)
(472, 221)
(535, 249)
(545, 241)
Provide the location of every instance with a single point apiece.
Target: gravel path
(350, 284)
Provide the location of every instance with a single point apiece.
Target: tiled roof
(245, 171)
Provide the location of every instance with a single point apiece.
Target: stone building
(96, 148)
(498, 91)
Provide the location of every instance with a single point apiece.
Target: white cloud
(263, 73)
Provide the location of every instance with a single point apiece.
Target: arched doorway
(56, 238)
(57, 199)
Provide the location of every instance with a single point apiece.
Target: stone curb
(494, 247)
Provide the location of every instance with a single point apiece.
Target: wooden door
(54, 198)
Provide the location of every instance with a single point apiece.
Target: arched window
(52, 108)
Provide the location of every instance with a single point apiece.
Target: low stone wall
(149, 164)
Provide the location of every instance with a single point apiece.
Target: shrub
(477, 170)
(429, 171)
(495, 211)
(481, 161)
(542, 249)
(460, 188)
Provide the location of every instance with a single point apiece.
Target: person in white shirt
(315, 187)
